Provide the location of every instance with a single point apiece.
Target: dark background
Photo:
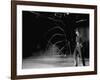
(35, 28)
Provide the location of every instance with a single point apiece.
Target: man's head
(77, 32)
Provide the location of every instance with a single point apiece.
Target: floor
(50, 61)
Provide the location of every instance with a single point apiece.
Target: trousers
(78, 53)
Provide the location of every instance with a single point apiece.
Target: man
(77, 51)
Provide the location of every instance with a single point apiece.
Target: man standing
(77, 50)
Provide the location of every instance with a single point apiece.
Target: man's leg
(81, 56)
(75, 57)
(83, 60)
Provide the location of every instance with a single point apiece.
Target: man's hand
(81, 45)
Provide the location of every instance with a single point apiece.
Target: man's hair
(77, 30)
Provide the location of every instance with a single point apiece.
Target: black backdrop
(35, 28)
